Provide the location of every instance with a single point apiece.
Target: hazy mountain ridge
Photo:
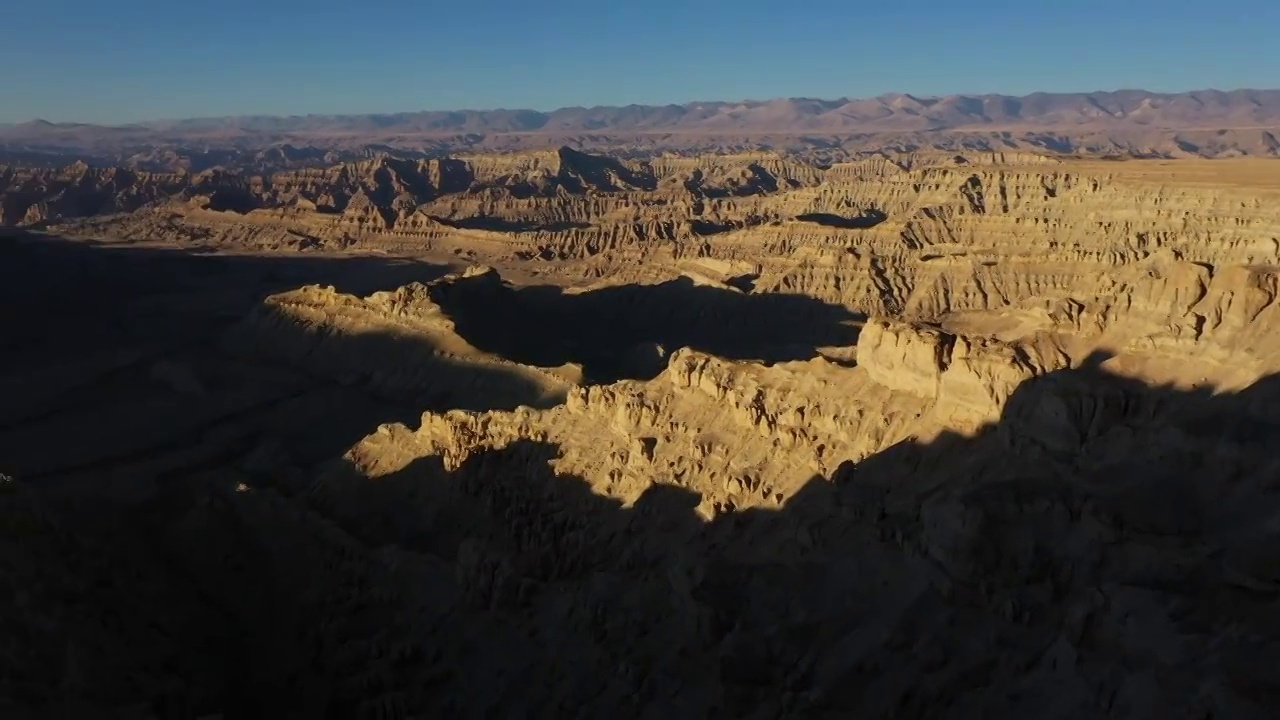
(886, 112)
(1125, 122)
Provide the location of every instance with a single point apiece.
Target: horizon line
(765, 100)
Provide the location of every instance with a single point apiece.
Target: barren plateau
(556, 433)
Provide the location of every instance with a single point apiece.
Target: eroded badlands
(564, 434)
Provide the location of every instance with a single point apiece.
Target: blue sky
(125, 60)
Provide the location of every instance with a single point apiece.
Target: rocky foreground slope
(931, 439)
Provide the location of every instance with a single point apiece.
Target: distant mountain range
(1121, 119)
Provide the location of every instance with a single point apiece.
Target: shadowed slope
(154, 362)
(1105, 550)
(627, 330)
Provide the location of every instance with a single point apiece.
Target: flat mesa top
(1262, 173)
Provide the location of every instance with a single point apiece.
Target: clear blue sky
(123, 60)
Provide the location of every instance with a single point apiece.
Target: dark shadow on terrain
(456, 176)
(1105, 550)
(756, 180)
(115, 357)
(626, 331)
(1187, 146)
(581, 171)
(504, 225)
(973, 192)
(578, 173)
(46, 280)
(745, 283)
(703, 227)
(868, 219)
(1055, 143)
(237, 200)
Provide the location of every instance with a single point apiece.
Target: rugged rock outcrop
(969, 379)
(920, 235)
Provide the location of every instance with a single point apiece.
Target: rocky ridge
(1035, 492)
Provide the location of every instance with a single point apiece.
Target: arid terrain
(913, 433)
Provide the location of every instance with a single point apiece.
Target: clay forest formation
(738, 423)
